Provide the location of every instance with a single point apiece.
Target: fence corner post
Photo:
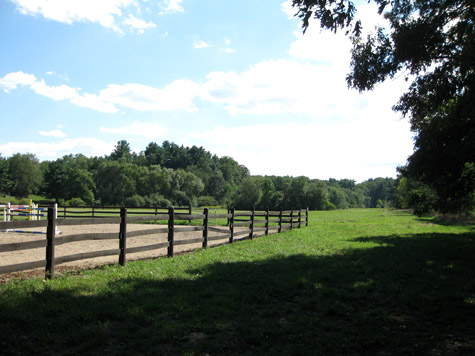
(306, 216)
(50, 237)
(171, 230)
(123, 236)
(231, 226)
(205, 227)
(251, 226)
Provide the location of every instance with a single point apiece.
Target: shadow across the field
(409, 295)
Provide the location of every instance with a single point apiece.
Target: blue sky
(237, 77)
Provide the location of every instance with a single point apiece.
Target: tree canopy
(433, 43)
(147, 179)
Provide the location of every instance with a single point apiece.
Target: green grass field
(363, 282)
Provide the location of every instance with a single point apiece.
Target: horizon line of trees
(171, 175)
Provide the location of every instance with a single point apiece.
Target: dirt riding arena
(9, 258)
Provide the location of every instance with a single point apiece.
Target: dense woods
(169, 174)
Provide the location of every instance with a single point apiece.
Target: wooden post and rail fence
(252, 221)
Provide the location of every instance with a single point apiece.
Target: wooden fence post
(64, 212)
(93, 211)
(251, 227)
(50, 236)
(300, 217)
(205, 228)
(291, 219)
(306, 216)
(280, 222)
(171, 230)
(123, 236)
(267, 222)
(231, 226)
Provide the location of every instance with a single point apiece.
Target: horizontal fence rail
(70, 212)
(253, 221)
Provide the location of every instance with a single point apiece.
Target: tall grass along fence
(240, 225)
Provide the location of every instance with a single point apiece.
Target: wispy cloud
(171, 6)
(227, 50)
(138, 24)
(54, 133)
(201, 44)
(148, 130)
(94, 102)
(107, 13)
(179, 94)
(88, 146)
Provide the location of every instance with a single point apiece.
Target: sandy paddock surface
(9, 258)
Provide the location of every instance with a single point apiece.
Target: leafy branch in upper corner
(434, 42)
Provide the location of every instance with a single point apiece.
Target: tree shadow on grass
(410, 295)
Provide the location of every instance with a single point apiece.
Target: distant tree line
(169, 174)
(293, 192)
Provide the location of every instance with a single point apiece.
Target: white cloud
(357, 150)
(149, 130)
(288, 9)
(88, 146)
(60, 92)
(171, 6)
(94, 102)
(325, 47)
(279, 86)
(138, 24)
(201, 44)
(12, 80)
(105, 12)
(228, 50)
(54, 133)
(177, 95)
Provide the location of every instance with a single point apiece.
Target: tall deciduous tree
(434, 42)
(5, 182)
(25, 174)
(70, 177)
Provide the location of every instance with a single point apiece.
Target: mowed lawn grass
(362, 282)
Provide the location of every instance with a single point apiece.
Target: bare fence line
(255, 221)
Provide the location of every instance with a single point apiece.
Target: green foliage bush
(158, 201)
(206, 201)
(135, 201)
(75, 202)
